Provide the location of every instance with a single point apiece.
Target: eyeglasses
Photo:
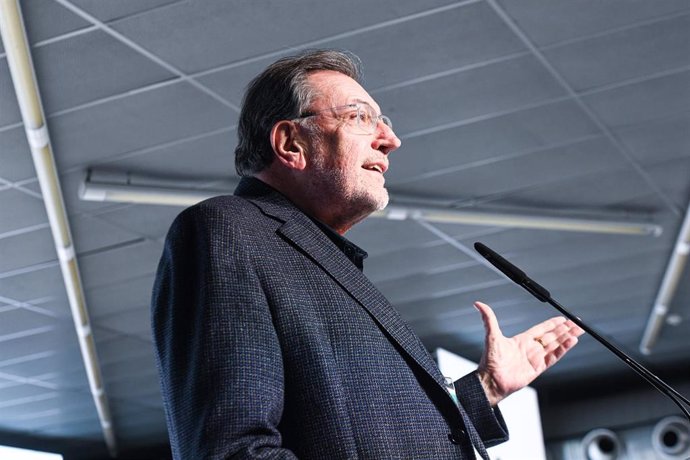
(361, 116)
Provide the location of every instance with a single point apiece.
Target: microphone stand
(520, 278)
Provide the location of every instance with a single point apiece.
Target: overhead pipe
(21, 68)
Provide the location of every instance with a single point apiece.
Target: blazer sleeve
(217, 351)
(487, 420)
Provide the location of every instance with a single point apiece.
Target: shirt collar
(351, 250)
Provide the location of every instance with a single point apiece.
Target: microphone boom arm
(520, 278)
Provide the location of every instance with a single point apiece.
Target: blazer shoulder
(225, 214)
(223, 207)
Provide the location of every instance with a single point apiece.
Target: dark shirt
(351, 250)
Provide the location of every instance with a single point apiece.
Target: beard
(350, 193)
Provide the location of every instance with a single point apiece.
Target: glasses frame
(362, 108)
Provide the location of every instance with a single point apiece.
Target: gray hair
(281, 92)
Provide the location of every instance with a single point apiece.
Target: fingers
(559, 341)
(559, 334)
(553, 356)
(545, 327)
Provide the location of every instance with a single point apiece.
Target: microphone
(520, 278)
(512, 272)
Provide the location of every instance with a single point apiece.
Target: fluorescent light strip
(126, 193)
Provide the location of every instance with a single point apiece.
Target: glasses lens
(368, 119)
(364, 118)
(387, 121)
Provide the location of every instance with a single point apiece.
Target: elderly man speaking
(271, 342)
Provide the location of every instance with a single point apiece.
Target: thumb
(490, 322)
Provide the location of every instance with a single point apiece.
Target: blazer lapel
(308, 237)
(305, 234)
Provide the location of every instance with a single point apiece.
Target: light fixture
(123, 189)
(141, 194)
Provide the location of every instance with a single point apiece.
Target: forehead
(336, 88)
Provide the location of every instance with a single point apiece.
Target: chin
(380, 201)
(367, 201)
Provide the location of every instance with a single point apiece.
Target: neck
(319, 206)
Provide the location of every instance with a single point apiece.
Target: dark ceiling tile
(642, 102)
(558, 20)
(632, 53)
(89, 67)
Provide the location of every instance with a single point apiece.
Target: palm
(510, 363)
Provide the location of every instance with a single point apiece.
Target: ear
(288, 145)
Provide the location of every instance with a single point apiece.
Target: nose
(385, 139)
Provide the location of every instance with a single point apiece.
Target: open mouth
(376, 168)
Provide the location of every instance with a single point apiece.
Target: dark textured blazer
(272, 344)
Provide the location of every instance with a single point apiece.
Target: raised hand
(510, 363)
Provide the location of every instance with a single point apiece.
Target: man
(271, 342)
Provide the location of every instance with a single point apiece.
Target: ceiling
(570, 107)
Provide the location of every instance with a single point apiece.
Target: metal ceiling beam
(28, 97)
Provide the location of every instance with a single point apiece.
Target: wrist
(490, 388)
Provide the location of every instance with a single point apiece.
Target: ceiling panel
(36, 284)
(209, 156)
(29, 248)
(579, 159)
(148, 221)
(116, 348)
(488, 90)
(148, 93)
(131, 321)
(49, 366)
(112, 11)
(8, 100)
(607, 190)
(427, 259)
(631, 53)
(660, 140)
(94, 234)
(43, 340)
(115, 265)
(669, 176)
(637, 103)
(233, 32)
(25, 210)
(128, 294)
(560, 20)
(19, 320)
(15, 155)
(134, 122)
(45, 20)
(89, 67)
(475, 23)
(476, 144)
(231, 80)
(378, 236)
(406, 289)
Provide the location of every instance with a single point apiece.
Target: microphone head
(512, 272)
(508, 269)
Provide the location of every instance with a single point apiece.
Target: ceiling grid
(501, 105)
